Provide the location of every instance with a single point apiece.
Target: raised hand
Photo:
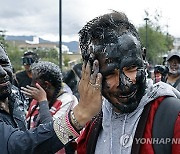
(37, 92)
(90, 93)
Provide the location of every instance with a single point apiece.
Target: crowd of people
(170, 71)
(104, 105)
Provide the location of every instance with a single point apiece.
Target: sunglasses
(27, 60)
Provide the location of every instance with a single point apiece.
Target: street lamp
(60, 31)
(146, 19)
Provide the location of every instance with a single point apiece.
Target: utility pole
(60, 32)
(146, 19)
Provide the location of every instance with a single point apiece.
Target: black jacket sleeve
(44, 112)
(39, 140)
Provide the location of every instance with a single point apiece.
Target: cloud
(41, 18)
(30, 17)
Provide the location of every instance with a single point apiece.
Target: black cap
(171, 54)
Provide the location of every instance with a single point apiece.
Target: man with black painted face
(49, 136)
(12, 102)
(132, 111)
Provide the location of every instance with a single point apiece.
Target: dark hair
(50, 72)
(161, 69)
(104, 30)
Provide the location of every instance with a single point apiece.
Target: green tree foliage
(158, 42)
(2, 38)
(13, 52)
(48, 55)
(15, 56)
(66, 60)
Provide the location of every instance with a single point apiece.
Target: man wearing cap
(173, 63)
(24, 77)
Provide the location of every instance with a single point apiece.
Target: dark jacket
(18, 107)
(41, 140)
(22, 79)
(14, 136)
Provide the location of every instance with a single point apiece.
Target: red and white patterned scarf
(32, 115)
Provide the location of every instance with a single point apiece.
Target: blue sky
(41, 18)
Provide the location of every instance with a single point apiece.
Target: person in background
(13, 104)
(51, 135)
(24, 77)
(133, 112)
(72, 78)
(49, 77)
(160, 73)
(173, 64)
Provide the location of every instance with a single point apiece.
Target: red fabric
(83, 138)
(176, 147)
(32, 105)
(145, 148)
(31, 116)
(148, 129)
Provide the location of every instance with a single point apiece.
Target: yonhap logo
(126, 140)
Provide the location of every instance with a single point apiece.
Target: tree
(2, 38)
(48, 55)
(15, 55)
(158, 42)
(13, 52)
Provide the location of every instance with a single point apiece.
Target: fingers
(83, 70)
(36, 93)
(30, 88)
(85, 75)
(38, 86)
(27, 90)
(95, 72)
(86, 70)
(98, 83)
(91, 81)
(99, 79)
(26, 93)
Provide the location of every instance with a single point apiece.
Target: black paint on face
(126, 94)
(5, 75)
(174, 66)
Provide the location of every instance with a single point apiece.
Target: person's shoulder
(20, 73)
(65, 95)
(160, 89)
(163, 85)
(67, 98)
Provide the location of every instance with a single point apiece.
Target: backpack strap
(91, 144)
(163, 125)
(140, 129)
